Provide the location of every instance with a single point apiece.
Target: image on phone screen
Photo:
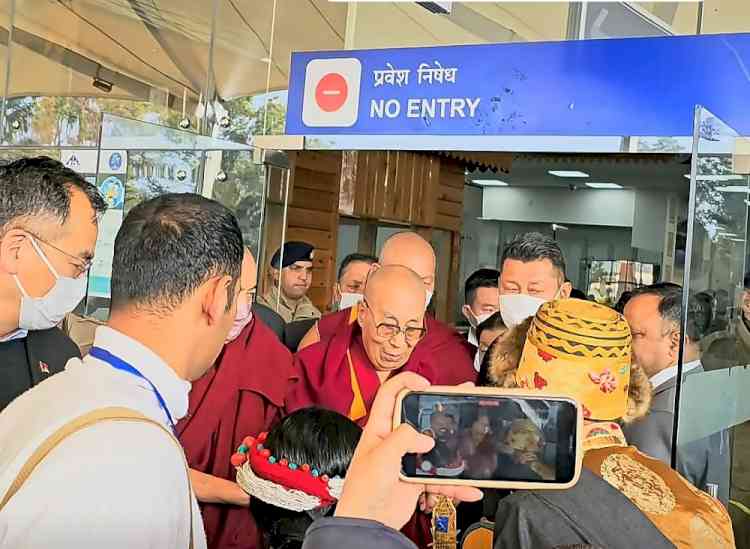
(498, 438)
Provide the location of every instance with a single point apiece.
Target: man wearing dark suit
(653, 314)
(48, 228)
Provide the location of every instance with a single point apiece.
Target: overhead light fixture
(100, 83)
(734, 189)
(603, 185)
(489, 182)
(441, 8)
(567, 173)
(717, 177)
(727, 235)
(266, 60)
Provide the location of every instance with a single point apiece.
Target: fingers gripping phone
(493, 438)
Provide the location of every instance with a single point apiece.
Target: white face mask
(516, 308)
(478, 359)
(473, 320)
(42, 313)
(349, 299)
(243, 318)
(428, 298)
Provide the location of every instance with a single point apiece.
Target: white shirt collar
(668, 373)
(17, 334)
(472, 336)
(173, 389)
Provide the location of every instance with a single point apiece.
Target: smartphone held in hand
(493, 437)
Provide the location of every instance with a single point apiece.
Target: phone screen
(496, 438)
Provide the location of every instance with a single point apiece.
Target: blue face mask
(42, 313)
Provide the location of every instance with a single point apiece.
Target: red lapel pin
(43, 367)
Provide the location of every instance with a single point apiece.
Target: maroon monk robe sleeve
(443, 356)
(243, 395)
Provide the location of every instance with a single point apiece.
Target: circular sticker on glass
(115, 161)
(113, 192)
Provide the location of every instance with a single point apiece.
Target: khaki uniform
(287, 309)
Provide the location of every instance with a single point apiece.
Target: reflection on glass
(713, 407)
(609, 279)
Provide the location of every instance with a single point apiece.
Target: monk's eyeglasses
(388, 330)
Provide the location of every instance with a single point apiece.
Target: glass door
(137, 161)
(712, 439)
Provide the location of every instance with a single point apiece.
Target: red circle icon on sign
(331, 92)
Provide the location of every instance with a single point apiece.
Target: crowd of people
(203, 416)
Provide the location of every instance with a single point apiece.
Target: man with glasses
(48, 230)
(344, 372)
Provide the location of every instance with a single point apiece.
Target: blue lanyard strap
(118, 364)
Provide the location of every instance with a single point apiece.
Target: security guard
(291, 273)
(48, 229)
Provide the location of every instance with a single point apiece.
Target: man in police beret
(291, 274)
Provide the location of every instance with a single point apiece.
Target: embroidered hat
(580, 349)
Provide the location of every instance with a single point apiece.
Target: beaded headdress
(274, 480)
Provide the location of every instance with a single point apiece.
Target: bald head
(408, 249)
(392, 319)
(395, 284)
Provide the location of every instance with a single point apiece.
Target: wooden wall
(313, 215)
(420, 190)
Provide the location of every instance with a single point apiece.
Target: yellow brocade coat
(688, 517)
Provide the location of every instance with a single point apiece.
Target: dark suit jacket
(46, 353)
(703, 462)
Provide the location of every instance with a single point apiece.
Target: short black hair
(670, 308)
(575, 293)
(747, 280)
(481, 278)
(530, 247)
(354, 258)
(626, 296)
(41, 186)
(495, 322)
(168, 246)
(323, 439)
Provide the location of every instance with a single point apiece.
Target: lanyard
(119, 364)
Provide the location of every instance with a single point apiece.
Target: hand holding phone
(492, 437)
(373, 488)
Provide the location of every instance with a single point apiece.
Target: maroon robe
(243, 395)
(441, 344)
(442, 357)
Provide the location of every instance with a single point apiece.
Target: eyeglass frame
(82, 265)
(400, 330)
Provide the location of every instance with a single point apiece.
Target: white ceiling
(652, 171)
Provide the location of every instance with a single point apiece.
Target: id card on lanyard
(118, 364)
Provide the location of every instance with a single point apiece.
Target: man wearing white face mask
(532, 272)
(481, 300)
(351, 280)
(48, 230)
(242, 394)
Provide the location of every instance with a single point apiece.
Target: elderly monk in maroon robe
(441, 343)
(344, 372)
(243, 394)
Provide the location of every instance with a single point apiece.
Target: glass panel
(251, 54)
(141, 61)
(278, 196)
(137, 161)
(713, 436)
